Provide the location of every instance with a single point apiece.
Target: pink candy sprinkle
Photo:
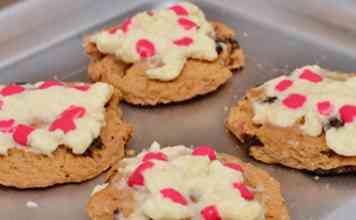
(82, 87)
(155, 156)
(348, 113)
(324, 108)
(234, 166)
(186, 23)
(174, 195)
(205, 150)
(150, 13)
(184, 41)
(113, 30)
(11, 90)
(65, 121)
(136, 178)
(179, 10)
(294, 101)
(7, 126)
(21, 133)
(48, 84)
(310, 76)
(145, 48)
(126, 24)
(245, 193)
(210, 213)
(284, 85)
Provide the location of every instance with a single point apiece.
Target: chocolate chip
(116, 212)
(334, 122)
(219, 48)
(269, 99)
(252, 140)
(97, 143)
(20, 83)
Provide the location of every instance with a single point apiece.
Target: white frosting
(209, 182)
(338, 91)
(99, 188)
(39, 108)
(162, 29)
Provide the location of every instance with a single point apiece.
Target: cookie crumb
(226, 108)
(316, 178)
(31, 205)
(130, 152)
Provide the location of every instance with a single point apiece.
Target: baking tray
(42, 39)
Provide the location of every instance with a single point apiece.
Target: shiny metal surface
(42, 39)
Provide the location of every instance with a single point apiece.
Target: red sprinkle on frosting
(65, 121)
(155, 156)
(7, 126)
(245, 193)
(184, 41)
(284, 85)
(210, 213)
(48, 84)
(150, 13)
(126, 24)
(174, 195)
(205, 150)
(348, 113)
(136, 178)
(310, 76)
(113, 30)
(186, 23)
(294, 101)
(179, 10)
(21, 134)
(324, 108)
(82, 87)
(11, 90)
(145, 48)
(234, 166)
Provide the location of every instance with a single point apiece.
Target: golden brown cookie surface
(197, 77)
(22, 169)
(287, 146)
(112, 201)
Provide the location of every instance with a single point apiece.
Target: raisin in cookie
(183, 183)
(306, 120)
(54, 132)
(168, 55)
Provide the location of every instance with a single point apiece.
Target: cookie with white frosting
(55, 132)
(167, 55)
(187, 183)
(306, 120)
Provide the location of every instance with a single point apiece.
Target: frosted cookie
(184, 183)
(306, 120)
(168, 55)
(54, 132)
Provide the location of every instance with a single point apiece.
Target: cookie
(183, 183)
(68, 133)
(150, 68)
(304, 121)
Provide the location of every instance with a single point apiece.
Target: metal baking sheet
(42, 39)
